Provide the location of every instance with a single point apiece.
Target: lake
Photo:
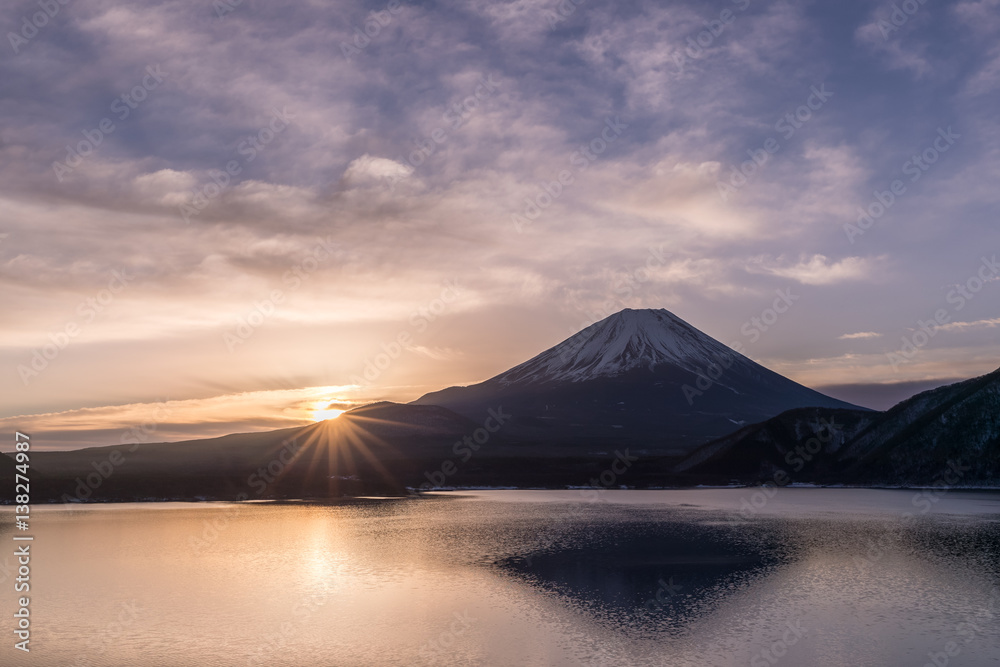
(797, 576)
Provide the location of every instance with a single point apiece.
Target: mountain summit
(642, 378)
(628, 340)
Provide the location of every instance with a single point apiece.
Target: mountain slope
(642, 378)
(947, 435)
(916, 439)
(370, 449)
(8, 470)
(759, 452)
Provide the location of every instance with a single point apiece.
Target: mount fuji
(642, 387)
(642, 378)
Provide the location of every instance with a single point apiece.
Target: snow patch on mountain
(625, 341)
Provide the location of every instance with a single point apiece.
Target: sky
(225, 217)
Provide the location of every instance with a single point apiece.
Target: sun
(323, 415)
(325, 404)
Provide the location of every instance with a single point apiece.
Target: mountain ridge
(641, 377)
(955, 427)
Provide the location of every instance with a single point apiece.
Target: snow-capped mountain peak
(638, 376)
(625, 341)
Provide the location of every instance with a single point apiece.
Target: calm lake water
(806, 577)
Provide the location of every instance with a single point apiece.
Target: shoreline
(415, 494)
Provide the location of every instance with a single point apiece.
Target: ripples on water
(819, 577)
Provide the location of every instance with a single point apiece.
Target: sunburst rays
(346, 452)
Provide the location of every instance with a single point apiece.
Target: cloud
(357, 122)
(891, 48)
(817, 269)
(859, 335)
(435, 353)
(172, 420)
(166, 187)
(978, 15)
(963, 326)
(369, 171)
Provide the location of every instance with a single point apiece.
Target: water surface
(694, 577)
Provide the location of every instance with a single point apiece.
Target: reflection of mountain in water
(662, 573)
